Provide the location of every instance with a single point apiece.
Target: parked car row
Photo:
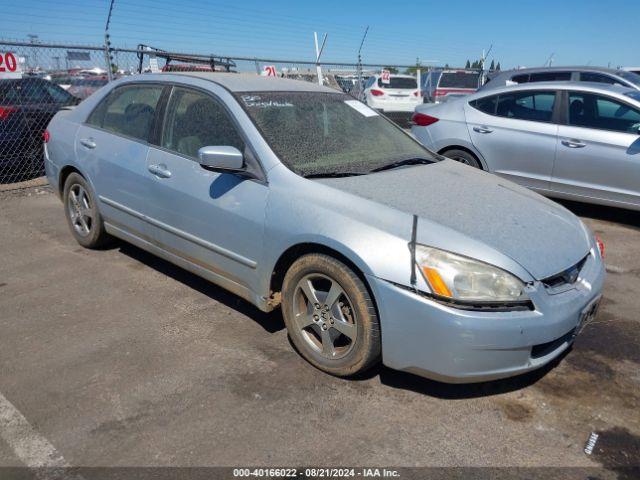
(574, 140)
(26, 107)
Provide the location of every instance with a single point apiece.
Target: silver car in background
(294, 195)
(571, 140)
(607, 76)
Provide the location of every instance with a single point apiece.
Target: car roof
(395, 75)
(573, 68)
(557, 85)
(247, 82)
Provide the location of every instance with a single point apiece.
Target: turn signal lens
(436, 282)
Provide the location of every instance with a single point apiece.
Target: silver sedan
(296, 196)
(571, 140)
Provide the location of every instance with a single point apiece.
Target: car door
(211, 219)
(599, 149)
(112, 147)
(516, 133)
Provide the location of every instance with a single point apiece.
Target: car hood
(540, 235)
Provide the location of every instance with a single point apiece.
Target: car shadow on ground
(272, 322)
(629, 218)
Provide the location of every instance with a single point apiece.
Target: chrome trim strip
(180, 233)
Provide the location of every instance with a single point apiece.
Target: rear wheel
(82, 213)
(463, 156)
(330, 316)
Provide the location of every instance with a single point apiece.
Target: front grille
(546, 348)
(566, 277)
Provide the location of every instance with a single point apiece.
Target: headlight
(461, 278)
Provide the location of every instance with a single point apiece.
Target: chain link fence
(37, 80)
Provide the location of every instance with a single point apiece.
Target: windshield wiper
(402, 163)
(333, 174)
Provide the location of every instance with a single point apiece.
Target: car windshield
(317, 134)
(399, 82)
(630, 77)
(459, 80)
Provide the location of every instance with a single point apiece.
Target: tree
(475, 64)
(468, 64)
(492, 67)
(446, 65)
(391, 69)
(498, 66)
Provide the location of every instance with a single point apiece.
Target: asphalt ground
(117, 358)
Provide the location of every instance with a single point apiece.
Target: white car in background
(400, 94)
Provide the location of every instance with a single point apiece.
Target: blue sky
(522, 32)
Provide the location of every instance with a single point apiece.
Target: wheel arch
(291, 254)
(475, 154)
(64, 174)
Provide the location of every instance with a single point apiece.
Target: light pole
(107, 43)
(33, 39)
(360, 63)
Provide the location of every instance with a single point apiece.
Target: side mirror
(222, 158)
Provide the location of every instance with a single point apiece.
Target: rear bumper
(393, 106)
(422, 336)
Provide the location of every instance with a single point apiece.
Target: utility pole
(107, 43)
(318, 55)
(33, 39)
(360, 62)
(482, 60)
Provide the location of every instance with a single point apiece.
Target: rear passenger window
(549, 76)
(596, 77)
(523, 78)
(602, 113)
(535, 106)
(196, 120)
(486, 104)
(128, 111)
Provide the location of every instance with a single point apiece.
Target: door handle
(88, 142)
(482, 130)
(573, 143)
(159, 171)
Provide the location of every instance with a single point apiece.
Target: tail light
(376, 93)
(600, 245)
(5, 112)
(423, 120)
(439, 93)
(46, 136)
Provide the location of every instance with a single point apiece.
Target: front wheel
(463, 157)
(330, 316)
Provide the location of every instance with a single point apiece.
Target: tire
(342, 337)
(463, 156)
(81, 210)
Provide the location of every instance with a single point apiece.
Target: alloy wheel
(80, 210)
(325, 316)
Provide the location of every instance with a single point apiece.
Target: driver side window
(195, 120)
